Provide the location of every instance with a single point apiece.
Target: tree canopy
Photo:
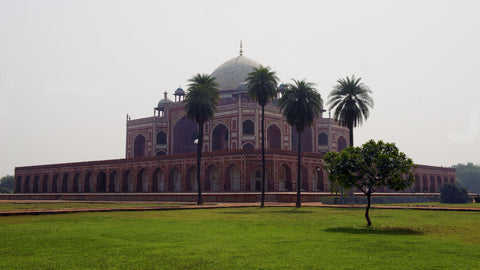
(350, 99)
(6, 184)
(370, 167)
(469, 176)
(450, 193)
(262, 85)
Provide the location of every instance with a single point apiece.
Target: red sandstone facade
(160, 151)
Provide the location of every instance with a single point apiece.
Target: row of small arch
(430, 183)
(174, 181)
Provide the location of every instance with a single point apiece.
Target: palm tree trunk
(299, 168)
(262, 204)
(351, 136)
(350, 193)
(199, 162)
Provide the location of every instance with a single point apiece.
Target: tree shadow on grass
(294, 211)
(376, 230)
(255, 211)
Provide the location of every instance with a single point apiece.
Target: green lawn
(437, 204)
(8, 206)
(242, 238)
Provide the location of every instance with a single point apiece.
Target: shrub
(450, 193)
(5, 190)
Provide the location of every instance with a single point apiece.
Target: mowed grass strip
(12, 206)
(242, 238)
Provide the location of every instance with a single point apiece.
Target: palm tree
(200, 104)
(351, 101)
(262, 87)
(300, 105)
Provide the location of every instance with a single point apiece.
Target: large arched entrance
(274, 137)
(185, 133)
(220, 138)
(307, 145)
(139, 146)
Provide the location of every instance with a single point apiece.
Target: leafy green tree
(300, 105)
(450, 193)
(262, 88)
(201, 104)
(350, 99)
(369, 168)
(6, 184)
(469, 175)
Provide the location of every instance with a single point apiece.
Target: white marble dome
(234, 72)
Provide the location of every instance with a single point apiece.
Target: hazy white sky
(70, 71)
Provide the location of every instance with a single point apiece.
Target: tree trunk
(351, 136)
(369, 223)
(199, 162)
(299, 169)
(350, 193)
(262, 204)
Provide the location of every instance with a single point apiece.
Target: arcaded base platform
(192, 197)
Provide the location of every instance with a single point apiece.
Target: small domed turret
(282, 88)
(180, 94)
(179, 91)
(161, 103)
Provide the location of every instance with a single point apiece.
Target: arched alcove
(185, 133)
(220, 138)
(307, 145)
(274, 137)
(341, 143)
(139, 146)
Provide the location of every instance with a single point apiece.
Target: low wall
(286, 197)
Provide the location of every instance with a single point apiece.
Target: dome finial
(165, 94)
(241, 48)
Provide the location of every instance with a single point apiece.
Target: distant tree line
(6, 184)
(469, 176)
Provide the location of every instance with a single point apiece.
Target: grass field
(8, 206)
(242, 238)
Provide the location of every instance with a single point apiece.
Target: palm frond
(262, 85)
